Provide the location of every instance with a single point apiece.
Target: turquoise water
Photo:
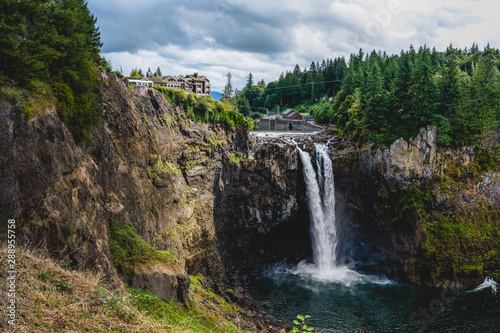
(375, 304)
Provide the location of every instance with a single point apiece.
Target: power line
(301, 85)
(275, 88)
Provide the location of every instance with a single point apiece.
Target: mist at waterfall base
(339, 299)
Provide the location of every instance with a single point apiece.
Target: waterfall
(321, 201)
(320, 190)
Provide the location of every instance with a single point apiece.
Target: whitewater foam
(488, 283)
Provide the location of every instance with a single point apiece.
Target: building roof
(138, 78)
(289, 112)
(199, 77)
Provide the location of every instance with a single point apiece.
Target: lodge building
(194, 83)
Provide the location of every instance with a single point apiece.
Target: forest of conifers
(382, 97)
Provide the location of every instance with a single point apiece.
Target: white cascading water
(321, 201)
(488, 283)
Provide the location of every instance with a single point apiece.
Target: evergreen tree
(158, 71)
(249, 81)
(312, 70)
(339, 69)
(423, 102)
(308, 87)
(451, 87)
(297, 72)
(402, 78)
(354, 126)
(479, 115)
(55, 42)
(373, 97)
(244, 106)
(251, 92)
(228, 89)
(319, 86)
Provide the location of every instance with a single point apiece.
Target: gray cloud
(450, 17)
(268, 37)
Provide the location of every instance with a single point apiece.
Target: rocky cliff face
(261, 212)
(422, 214)
(218, 201)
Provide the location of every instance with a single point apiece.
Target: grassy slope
(52, 297)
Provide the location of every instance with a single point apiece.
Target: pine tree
(401, 83)
(479, 115)
(308, 86)
(354, 126)
(228, 89)
(423, 102)
(374, 115)
(319, 86)
(158, 71)
(251, 92)
(451, 87)
(244, 106)
(250, 81)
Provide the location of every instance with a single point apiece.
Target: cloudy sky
(267, 37)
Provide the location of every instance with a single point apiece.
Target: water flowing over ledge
(320, 187)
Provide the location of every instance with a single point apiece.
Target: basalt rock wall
(220, 202)
(418, 212)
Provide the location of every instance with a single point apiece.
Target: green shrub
(178, 319)
(205, 109)
(63, 286)
(301, 325)
(129, 250)
(256, 115)
(159, 168)
(400, 206)
(65, 100)
(29, 110)
(236, 158)
(80, 112)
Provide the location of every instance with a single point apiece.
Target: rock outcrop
(413, 210)
(219, 202)
(404, 163)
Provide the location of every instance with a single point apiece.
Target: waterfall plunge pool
(375, 304)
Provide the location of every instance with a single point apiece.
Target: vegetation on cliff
(206, 110)
(49, 52)
(129, 250)
(460, 238)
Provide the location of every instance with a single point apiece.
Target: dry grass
(39, 100)
(51, 299)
